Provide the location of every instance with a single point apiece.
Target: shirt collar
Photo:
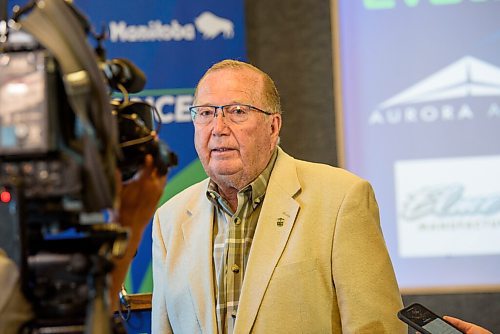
(254, 192)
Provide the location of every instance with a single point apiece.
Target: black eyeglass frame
(194, 113)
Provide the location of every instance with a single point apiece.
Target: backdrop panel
(421, 87)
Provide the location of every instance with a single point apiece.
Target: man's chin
(225, 173)
(225, 168)
(226, 177)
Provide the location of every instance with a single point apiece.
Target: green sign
(389, 4)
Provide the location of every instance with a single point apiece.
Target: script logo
(211, 26)
(444, 96)
(448, 201)
(207, 24)
(448, 206)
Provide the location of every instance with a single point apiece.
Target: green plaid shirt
(233, 235)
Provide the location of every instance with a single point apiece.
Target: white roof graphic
(466, 77)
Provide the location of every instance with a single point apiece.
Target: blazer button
(235, 268)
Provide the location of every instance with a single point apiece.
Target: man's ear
(275, 124)
(275, 127)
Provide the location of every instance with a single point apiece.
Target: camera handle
(57, 28)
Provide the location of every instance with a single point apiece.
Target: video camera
(62, 138)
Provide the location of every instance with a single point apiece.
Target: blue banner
(173, 42)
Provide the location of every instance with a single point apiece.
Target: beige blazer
(318, 262)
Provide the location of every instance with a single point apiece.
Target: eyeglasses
(236, 113)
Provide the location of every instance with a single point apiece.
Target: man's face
(233, 155)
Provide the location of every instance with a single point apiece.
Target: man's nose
(220, 120)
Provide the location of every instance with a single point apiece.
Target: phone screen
(439, 326)
(420, 317)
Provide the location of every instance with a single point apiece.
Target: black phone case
(410, 322)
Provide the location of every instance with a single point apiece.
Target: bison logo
(211, 26)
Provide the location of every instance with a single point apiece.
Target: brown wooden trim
(140, 301)
(450, 290)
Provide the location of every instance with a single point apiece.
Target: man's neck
(230, 194)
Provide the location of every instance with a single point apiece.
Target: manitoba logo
(451, 94)
(209, 25)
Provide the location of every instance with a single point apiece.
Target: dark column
(291, 41)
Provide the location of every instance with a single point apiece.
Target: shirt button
(237, 221)
(235, 268)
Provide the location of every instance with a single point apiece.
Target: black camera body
(62, 138)
(137, 139)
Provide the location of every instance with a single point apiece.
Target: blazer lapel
(197, 230)
(271, 235)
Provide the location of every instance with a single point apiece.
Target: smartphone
(425, 321)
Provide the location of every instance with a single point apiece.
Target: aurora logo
(443, 96)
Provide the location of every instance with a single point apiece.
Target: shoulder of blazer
(289, 169)
(190, 197)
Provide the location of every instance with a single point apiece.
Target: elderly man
(268, 243)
